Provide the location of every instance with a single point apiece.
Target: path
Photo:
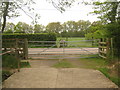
(41, 75)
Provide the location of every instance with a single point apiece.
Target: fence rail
(18, 44)
(16, 52)
(104, 47)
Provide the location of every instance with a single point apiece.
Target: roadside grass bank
(90, 63)
(113, 78)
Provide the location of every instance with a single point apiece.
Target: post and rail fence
(16, 53)
(18, 44)
(105, 48)
(16, 47)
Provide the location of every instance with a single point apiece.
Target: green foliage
(23, 27)
(75, 29)
(113, 29)
(9, 61)
(9, 28)
(32, 37)
(114, 32)
(25, 64)
(81, 42)
(97, 30)
(5, 75)
(114, 79)
(89, 36)
(54, 27)
(63, 64)
(38, 28)
(107, 11)
(92, 63)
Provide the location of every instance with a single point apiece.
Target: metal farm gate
(62, 49)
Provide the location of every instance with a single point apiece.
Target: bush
(33, 37)
(9, 61)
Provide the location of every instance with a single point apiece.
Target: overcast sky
(50, 14)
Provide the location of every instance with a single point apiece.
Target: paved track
(42, 75)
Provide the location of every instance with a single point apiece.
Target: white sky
(50, 14)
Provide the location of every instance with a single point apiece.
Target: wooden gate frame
(105, 47)
(21, 45)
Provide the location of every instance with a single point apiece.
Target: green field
(76, 42)
(71, 42)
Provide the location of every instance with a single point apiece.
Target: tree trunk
(5, 13)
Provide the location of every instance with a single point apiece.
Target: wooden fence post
(26, 48)
(99, 47)
(17, 57)
(108, 48)
(17, 54)
(112, 51)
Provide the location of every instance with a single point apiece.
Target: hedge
(32, 37)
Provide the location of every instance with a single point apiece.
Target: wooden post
(17, 54)
(25, 48)
(112, 51)
(17, 57)
(108, 48)
(99, 47)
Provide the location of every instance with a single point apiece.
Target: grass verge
(63, 64)
(5, 75)
(92, 63)
(114, 79)
(25, 64)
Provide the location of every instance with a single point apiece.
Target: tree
(61, 5)
(11, 9)
(22, 27)
(75, 29)
(5, 13)
(9, 28)
(14, 7)
(54, 27)
(69, 27)
(83, 25)
(38, 28)
(107, 11)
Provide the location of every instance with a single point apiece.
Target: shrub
(33, 37)
(9, 61)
